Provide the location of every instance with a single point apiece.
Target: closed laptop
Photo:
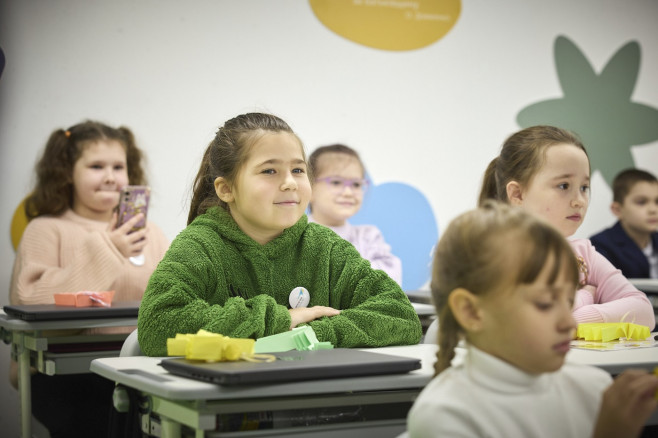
(52, 312)
(293, 366)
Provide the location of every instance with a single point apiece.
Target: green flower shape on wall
(598, 107)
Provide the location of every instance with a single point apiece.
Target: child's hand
(129, 244)
(627, 404)
(306, 314)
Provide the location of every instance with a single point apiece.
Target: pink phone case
(134, 200)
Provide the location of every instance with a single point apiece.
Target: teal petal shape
(598, 107)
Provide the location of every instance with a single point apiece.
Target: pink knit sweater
(615, 297)
(369, 241)
(70, 253)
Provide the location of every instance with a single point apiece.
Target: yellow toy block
(210, 347)
(235, 348)
(176, 346)
(610, 331)
(204, 347)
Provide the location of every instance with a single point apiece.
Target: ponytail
(449, 332)
(489, 185)
(53, 192)
(203, 190)
(134, 157)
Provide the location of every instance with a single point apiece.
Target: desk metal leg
(170, 428)
(24, 386)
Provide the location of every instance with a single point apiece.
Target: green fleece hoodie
(215, 277)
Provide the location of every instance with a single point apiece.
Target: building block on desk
(210, 347)
(85, 298)
(299, 338)
(609, 331)
(176, 345)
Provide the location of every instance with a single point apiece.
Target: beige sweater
(70, 253)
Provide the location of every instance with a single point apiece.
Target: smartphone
(133, 200)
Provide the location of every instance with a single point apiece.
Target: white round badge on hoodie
(299, 297)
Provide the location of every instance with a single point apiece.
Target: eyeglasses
(337, 184)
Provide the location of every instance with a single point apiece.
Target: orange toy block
(85, 298)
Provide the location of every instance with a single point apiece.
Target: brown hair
(226, 154)
(53, 192)
(471, 254)
(521, 157)
(626, 179)
(332, 148)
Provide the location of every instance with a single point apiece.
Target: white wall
(174, 71)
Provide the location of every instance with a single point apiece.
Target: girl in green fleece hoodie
(248, 245)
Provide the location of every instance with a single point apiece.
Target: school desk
(423, 296)
(650, 287)
(426, 313)
(646, 285)
(617, 361)
(33, 345)
(181, 404)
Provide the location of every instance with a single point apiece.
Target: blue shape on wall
(406, 220)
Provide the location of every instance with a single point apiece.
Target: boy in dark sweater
(632, 243)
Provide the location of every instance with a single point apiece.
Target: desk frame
(29, 345)
(179, 401)
(201, 415)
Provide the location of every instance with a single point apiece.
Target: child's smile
(98, 175)
(272, 189)
(335, 194)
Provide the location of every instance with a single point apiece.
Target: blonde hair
(473, 254)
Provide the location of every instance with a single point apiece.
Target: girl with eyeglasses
(338, 192)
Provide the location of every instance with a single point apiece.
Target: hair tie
(582, 269)
(67, 133)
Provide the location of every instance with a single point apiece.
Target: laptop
(51, 312)
(293, 366)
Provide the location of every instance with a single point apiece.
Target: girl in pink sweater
(545, 170)
(338, 192)
(72, 243)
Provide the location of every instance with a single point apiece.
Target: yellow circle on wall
(18, 223)
(389, 24)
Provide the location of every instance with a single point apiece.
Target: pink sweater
(615, 298)
(70, 253)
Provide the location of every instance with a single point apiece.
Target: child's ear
(223, 189)
(615, 208)
(514, 193)
(465, 307)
